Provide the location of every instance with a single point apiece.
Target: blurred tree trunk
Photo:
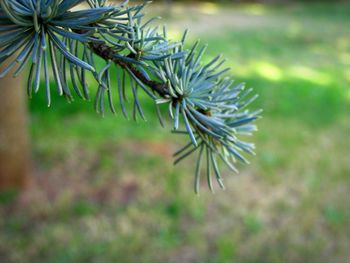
(15, 161)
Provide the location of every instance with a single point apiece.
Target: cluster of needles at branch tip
(57, 40)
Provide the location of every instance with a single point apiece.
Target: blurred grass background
(105, 189)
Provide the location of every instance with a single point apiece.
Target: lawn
(105, 189)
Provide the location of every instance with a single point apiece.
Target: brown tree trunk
(15, 161)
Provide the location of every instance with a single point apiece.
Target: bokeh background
(104, 189)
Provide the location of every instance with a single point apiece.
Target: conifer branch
(204, 104)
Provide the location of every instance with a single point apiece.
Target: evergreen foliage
(57, 40)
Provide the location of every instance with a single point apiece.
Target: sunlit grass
(266, 70)
(255, 9)
(209, 8)
(309, 74)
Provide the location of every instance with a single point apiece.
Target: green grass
(106, 190)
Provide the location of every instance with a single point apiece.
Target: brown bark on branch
(106, 52)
